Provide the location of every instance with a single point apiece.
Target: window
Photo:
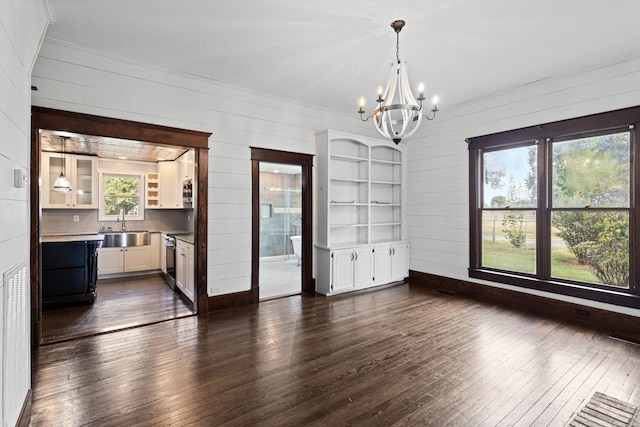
(552, 207)
(121, 192)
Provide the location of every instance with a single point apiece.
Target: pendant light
(399, 114)
(62, 183)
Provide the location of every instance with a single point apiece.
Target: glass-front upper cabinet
(82, 173)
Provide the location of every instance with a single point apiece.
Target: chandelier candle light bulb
(399, 114)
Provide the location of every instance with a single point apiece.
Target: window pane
(121, 192)
(591, 172)
(591, 246)
(509, 178)
(509, 240)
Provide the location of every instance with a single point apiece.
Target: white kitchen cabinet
(170, 185)
(156, 245)
(186, 162)
(360, 208)
(124, 260)
(185, 275)
(163, 253)
(110, 261)
(82, 173)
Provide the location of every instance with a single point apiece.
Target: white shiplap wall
(437, 195)
(88, 82)
(437, 170)
(22, 26)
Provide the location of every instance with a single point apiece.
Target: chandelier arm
(362, 114)
(432, 117)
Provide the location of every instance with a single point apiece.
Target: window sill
(608, 296)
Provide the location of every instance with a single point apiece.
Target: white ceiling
(331, 52)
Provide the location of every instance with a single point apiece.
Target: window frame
(543, 136)
(102, 216)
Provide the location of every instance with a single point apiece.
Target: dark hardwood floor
(121, 303)
(404, 355)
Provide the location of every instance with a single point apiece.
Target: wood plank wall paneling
(23, 27)
(617, 324)
(77, 80)
(437, 165)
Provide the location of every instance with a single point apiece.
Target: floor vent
(625, 339)
(602, 410)
(15, 345)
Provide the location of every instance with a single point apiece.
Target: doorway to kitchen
(281, 224)
(110, 310)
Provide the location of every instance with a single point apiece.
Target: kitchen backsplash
(61, 221)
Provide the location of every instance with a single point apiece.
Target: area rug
(606, 411)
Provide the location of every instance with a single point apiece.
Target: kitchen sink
(125, 239)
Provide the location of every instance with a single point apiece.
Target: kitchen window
(552, 207)
(121, 192)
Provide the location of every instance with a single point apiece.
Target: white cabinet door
(391, 262)
(382, 264)
(341, 270)
(186, 162)
(170, 185)
(189, 271)
(180, 266)
(400, 261)
(82, 173)
(84, 194)
(137, 258)
(156, 245)
(52, 165)
(110, 260)
(163, 253)
(363, 266)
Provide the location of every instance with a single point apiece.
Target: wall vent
(15, 345)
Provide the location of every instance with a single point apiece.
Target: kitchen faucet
(124, 227)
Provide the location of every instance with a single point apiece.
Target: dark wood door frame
(306, 161)
(66, 121)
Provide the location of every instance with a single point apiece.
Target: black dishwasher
(69, 272)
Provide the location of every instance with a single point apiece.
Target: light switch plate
(19, 178)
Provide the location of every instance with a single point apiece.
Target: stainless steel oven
(170, 248)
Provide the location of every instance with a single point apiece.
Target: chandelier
(399, 114)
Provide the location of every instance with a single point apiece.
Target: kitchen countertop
(72, 238)
(81, 236)
(189, 238)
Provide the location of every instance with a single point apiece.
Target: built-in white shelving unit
(360, 212)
